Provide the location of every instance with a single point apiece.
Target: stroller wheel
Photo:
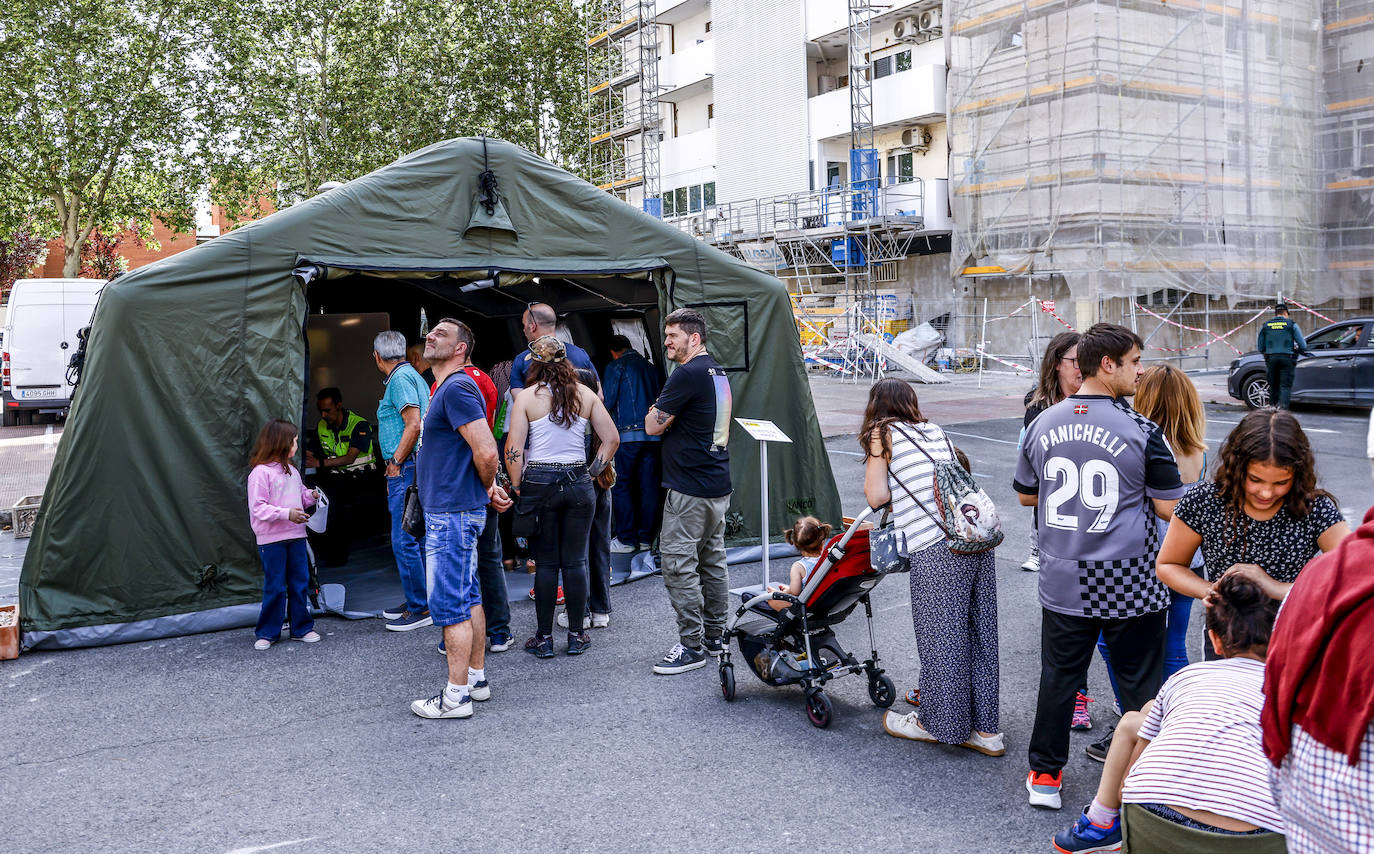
(818, 709)
(727, 682)
(881, 690)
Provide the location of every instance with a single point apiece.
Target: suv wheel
(1255, 391)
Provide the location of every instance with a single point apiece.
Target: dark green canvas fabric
(145, 512)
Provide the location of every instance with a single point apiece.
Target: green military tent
(143, 529)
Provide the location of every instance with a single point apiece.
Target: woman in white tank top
(552, 478)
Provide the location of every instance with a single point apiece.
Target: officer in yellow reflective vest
(345, 460)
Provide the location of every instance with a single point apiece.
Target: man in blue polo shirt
(403, 406)
(456, 473)
(539, 319)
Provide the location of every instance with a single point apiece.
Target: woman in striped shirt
(1194, 755)
(953, 597)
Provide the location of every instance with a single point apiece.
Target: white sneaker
(311, 637)
(644, 547)
(439, 706)
(907, 726)
(993, 745)
(600, 621)
(619, 548)
(1032, 563)
(262, 643)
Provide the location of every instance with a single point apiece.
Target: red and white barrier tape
(1311, 311)
(1047, 306)
(1010, 314)
(1215, 337)
(980, 351)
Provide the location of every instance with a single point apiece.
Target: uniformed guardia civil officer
(344, 454)
(1280, 341)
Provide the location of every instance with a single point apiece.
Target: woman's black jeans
(566, 504)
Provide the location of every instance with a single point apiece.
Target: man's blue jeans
(409, 560)
(636, 491)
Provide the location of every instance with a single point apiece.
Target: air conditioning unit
(930, 22)
(917, 137)
(905, 29)
(828, 83)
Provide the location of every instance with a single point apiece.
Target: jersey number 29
(1097, 486)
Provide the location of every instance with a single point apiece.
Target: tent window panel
(727, 332)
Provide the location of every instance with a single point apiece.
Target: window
(1235, 36)
(710, 113)
(1235, 147)
(832, 174)
(668, 204)
(708, 193)
(904, 61)
(882, 67)
(680, 200)
(899, 169)
(1011, 39)
(842, 82)
(1338, 338)
(708, 26)
(1366, 153)
(694, 198)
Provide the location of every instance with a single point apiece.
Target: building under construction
(998, 169)
(1163, 164)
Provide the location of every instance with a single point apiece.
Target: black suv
(1337, 368)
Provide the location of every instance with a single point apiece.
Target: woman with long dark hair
(953, 597)
(1261, 515)
(555, 482)
(1059, 378)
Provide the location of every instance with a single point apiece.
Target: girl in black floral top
(1261, 516)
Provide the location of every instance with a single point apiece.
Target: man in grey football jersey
(1098, 472)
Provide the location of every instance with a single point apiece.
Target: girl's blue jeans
(286, 575)
(1175, 641)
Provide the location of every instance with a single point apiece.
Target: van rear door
(36, 322)
(78, 307)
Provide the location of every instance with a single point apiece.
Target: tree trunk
(73, 235)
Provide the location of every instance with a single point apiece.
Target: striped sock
(1100, 815)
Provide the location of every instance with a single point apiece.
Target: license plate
(37, 393)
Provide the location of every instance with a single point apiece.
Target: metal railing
(832, 208)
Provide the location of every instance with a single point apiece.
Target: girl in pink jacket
(276, 509)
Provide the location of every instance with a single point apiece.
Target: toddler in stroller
(795, 644)
(808, 534)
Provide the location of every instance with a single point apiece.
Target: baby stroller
(797, 646)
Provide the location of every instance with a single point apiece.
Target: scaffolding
(1156, 163)
(623, 120)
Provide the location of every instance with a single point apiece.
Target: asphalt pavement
(202, 744)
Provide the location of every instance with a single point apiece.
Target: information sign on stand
(764, 432)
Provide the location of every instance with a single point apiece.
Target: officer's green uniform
(355, 432)
(1280, 341)
(348, 487)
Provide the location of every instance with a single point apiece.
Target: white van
(40, 338)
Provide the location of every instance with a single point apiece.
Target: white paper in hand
(320, 517)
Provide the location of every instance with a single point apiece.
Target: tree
(100, 258)
(112, 112)
(20, 251)
(342, 88)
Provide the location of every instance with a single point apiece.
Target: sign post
(764, 432)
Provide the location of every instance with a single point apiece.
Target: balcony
(687, 73)
(677, 11)
(907, 96)
(919, 206)
(827, 17)
(685, 153)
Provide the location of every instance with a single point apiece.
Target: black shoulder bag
(413, 516)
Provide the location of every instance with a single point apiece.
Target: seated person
(1193, 755)
(809, 535)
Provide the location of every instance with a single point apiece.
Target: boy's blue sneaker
(1085, 836)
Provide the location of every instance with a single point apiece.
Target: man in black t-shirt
(692, 414)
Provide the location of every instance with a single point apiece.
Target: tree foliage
(122, 110)
(111, 112)
(20, 251)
